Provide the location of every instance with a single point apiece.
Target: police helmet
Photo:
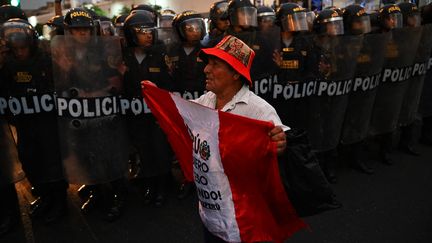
(104, 26)
(411, 14)
(219, 10)
(11, 12)
(292, 17)
(54, 26)
(187, 22)
(329, 22)
(78, 18)
(265, 13)
(139, 23)
(390, 17)
(145, 7)
(166, 18)
(356, 20)
(19, 31)
(118, 24)
(242, 13)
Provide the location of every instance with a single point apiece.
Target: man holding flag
(234, 156)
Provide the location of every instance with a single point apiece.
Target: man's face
(219, 75)
(222, 24)
(81, 35)
(21, 51)
(266, 23)
(144, 36)
(192, 32)
(390, 22)
(358, 26)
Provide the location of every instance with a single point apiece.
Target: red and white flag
(233, 163)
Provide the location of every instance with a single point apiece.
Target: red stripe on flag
(263, 210)
(172, 124)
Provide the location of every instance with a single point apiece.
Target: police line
(76, 107)
(271, 87)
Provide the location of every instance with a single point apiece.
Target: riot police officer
(389, 18)
(266, 18)
(28, 73)
(186, 67)
(145, 61)
(411, 19)
(357, 22)
(327, 111)
(218, 23)
(243, 25)
(95, 149)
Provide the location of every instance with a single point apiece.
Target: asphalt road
(393, 205)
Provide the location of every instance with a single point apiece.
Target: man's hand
(277, 135)
(147, 82)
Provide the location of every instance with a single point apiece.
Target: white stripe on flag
(216, 205)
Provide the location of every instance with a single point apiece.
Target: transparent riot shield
(414, 90)
(294, 81)
(92, 134)
(400, 53)
(168, 37)
(328, 106)
(370, 62)
(10, 167)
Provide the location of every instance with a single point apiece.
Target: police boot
(331, 163)
(40, 205)
(57, 202)
(406, 142)
(356, 162)
(385, 148)
(94, 200)
(85, 191)
(9, 209)
(162, 185)
(186, 188)
(426, 131)
(147, 187)
(117, 194)
(326, 168)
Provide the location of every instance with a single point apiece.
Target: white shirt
(245, 103)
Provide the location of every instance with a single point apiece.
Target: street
(393, 205)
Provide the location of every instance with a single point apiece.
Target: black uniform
(187, 72)
(145, 134)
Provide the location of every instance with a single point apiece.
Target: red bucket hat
(234, 52)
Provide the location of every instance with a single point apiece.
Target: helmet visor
(295, 22)
(165, 21)
(245, 17)
(221, 11)
(13, 32)
(413, 20)
(393, 21)
(48, 31)
(192, 29)
(334, 28)
(106, 28)
(362, 25)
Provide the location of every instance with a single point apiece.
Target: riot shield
(412, 96)
(10, 168)
(400, 53)
(328, 105)
(168, 37)
(288, 91)
(88, 80)
(370, 62)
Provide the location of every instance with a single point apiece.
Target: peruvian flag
(233, 163)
